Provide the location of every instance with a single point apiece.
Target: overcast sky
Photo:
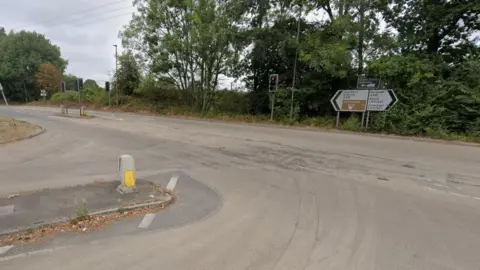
(85, 30)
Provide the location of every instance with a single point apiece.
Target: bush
(352, 123)
(323, 121)
(95, 95)
(70, 96)
(230, 102)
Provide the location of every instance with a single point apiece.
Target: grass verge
(350, 124)
(12, 129)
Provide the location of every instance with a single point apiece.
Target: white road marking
(453, 193)
(146, 221)
(6, 210)
(48, 250)
(172, 183)
(116, 118)
(5, 249)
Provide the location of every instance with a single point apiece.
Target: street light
(116, 75)
(295, 64)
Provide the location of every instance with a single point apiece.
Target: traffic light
(76, 86)
(63, 87)
(107, 86)
(80, 84)
(273, 83)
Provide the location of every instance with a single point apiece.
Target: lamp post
(295, 64)
(116, 75)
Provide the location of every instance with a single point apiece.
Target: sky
(85, 30)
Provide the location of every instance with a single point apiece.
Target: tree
(426, 53)
(21, 55)
(440, 27)
(69, 80)
(189, 41)
(128, 75)
(89, 83)
(49, 78)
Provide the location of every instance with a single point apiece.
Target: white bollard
(126, 168)
(83, 112)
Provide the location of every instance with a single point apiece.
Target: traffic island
(12, 130)
(29, 217)
(76, 116)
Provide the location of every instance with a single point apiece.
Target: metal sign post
(6, 103)
(3, 95)
(367, 83)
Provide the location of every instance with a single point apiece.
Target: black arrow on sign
(334, 100)
(394, 99)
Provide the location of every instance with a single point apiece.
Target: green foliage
(69, 80)
(352, 123)
(82, 212)
(95, 95)
(70, 96)
(21, 55)
(128, 75)
(90, 84)
(194, 46)
(227, 101)
(432, 63)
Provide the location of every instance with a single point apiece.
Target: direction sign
(368, 82)
(43, 93)
(350, 100)
(381, 100)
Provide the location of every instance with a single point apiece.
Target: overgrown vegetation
(179, 52)
(82, 212)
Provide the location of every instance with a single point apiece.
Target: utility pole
(116, 75)
(295, 64)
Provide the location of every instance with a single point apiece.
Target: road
(286, 199)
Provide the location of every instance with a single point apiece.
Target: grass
(82, 212)
(11, 129)
(352, 123)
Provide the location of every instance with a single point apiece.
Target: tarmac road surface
(279, 198)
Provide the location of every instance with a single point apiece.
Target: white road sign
(381, 100)
(43, 93)
(363, 100)
(368, 82)
(350, 100)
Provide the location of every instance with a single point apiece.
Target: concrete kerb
(168, 201)
(42, 130)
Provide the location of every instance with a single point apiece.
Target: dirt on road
(13, 129)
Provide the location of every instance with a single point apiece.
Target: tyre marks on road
(6, 210)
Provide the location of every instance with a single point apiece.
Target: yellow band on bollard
(129, 177)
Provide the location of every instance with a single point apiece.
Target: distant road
(290, 199)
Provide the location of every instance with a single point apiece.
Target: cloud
(85, 30)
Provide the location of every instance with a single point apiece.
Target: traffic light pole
(273, 106)
(273, 88)
(116, 75)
